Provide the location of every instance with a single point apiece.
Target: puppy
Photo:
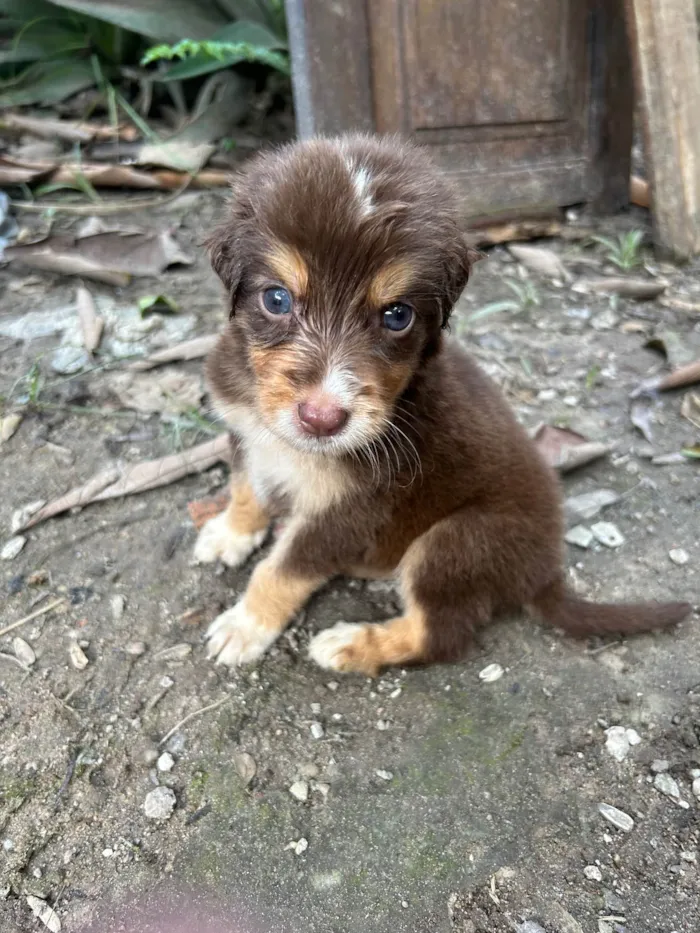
(386, 447)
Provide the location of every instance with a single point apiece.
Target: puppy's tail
(558, 606)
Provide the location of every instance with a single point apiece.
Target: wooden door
(526, 103)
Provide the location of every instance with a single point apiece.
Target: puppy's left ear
(460, 260)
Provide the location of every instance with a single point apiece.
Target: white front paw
(236, 637)
(329, 648)
(218, 540)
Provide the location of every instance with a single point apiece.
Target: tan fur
(401, 640)
(273, 596)
(391, 283)
(288, 264)
(245, 515)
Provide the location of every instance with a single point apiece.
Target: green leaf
(48, 83)
(494, 308)
(692, 453)
(163, 20)
(43, 40)
(161, 303)
(205, 62)
(252, 33)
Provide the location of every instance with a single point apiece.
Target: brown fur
(441, 485)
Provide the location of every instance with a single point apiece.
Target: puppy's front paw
(236, 637)
(218, 540)
(343, 648)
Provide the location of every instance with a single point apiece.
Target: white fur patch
(341, 385)
(326, 647)
(361, 179)
(217, 540)
(235, 637)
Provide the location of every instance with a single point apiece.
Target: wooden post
(664, 43)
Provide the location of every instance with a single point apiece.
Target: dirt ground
(427, 800)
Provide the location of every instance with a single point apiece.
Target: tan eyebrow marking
(390, 283)
(288, 264)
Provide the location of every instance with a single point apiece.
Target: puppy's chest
(290, 481)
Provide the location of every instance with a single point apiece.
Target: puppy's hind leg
(440, 615)
(233, 535)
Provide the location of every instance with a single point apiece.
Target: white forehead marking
(361, 180)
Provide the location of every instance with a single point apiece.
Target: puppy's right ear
(225, 257)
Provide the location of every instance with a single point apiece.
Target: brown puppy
(386, 446)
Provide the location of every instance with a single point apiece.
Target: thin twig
(70, 771)
(190, 716)
(32, 615)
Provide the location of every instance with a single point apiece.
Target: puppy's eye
(277, 300)
(397, 316)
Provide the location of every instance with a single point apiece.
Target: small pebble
(160, 803)
(580, 536)
(617, 818)
(77, 656)
(589, 504)
(166, 762)
(667, 785)
(246, 766)
(608, 534)
(529, 927)
(679, 556)
(593, 873)
(107, 853)
(12, 547)
(135, 649)
(384, 775)
(383, 725)
(491, 673)
(23, 651)
(300, 791)
(301, 846)
(659, 765)
(117, 604)
(619, 740)
(696, 787)
(316, 730)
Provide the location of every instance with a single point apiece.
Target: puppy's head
(343, 260)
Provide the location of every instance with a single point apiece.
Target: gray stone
(666, 785)
(608, 534)
(659, 765)
(300, 791)
(589, 504)
(617, 818)
(580, 536)
(160, 803)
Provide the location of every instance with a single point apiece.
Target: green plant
(52, 49)
(526, 297)
(624, 250)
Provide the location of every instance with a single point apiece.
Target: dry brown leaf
(17, 172)
(71, 130)
(539, 259)
(130, 479)
(690, 408)
(642, 289)
(515, 230)
(201, 510)
(566, 450)
(91, 324)
(684, 376)
(679, 304)
(188, 350)
(168, 391)
(105, 257)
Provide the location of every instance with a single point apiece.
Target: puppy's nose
(322, 418)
